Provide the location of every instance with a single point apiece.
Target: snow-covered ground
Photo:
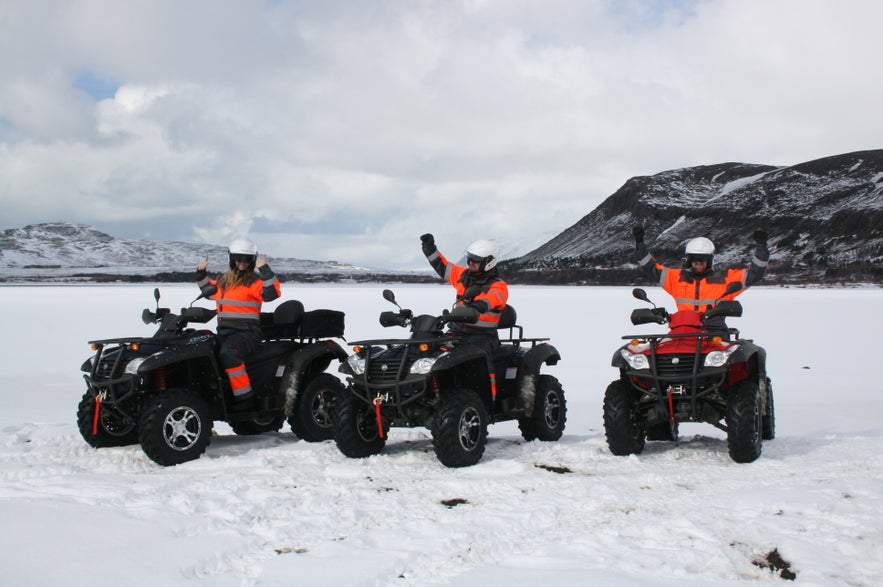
(273, 510)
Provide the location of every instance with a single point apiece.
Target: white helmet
(485, 252)
(700, 248)
(242, 247)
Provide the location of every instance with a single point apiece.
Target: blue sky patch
(98, 87)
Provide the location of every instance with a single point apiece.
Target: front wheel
(355, 427)
(112, 428)
(459, 430)
(744, 422)
(311, 420)
(625, 435)
(176, 427)
(549, 412)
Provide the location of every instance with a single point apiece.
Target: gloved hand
(760, 236)
(428, 242)
(638, 233)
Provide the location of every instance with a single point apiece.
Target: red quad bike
(430, 380)
(165, 391)
(689, 374)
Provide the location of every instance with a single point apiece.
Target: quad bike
(434, 380)
(165, 391)
(690, 374)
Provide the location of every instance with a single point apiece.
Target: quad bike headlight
(720, 358)
(422, 366)
(356, 364)
(636, 361)
(132, 366)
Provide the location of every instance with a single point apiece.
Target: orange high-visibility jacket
(239, 307)
(489, 296)
(698, 292)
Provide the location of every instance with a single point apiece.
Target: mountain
(64, 251)
(824, 218)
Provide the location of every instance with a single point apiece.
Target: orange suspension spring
(161, 379)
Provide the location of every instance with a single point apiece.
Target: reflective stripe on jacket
(692, 292)
(240, 306)
(489, 297)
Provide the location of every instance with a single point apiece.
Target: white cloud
(344, 130)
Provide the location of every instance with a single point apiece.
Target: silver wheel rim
(552, 409)
(321, 408)
(182, 428)
(469, 428)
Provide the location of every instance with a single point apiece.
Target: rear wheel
(459, 429)
(625, 435)
(176, 427)
(769, 413)
(311, 419)
(112, 428)
(549, 412)
(744, 422)
(355, 427)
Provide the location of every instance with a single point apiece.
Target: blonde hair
(233, 278)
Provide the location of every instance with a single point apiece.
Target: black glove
(760, 236)
(428, 244)
(638, 233)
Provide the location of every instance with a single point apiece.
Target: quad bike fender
(315, 357)
(308, 360)
(752, 354)
(459, 355)
(543, 353)
(529, 371)
(179, 354)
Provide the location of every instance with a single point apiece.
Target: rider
(239, 293)
(478, 286)
(698, 285)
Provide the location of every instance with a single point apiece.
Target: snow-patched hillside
(822, 216)
(276, 511)
(62, 249)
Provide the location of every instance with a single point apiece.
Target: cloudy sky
(342, 130)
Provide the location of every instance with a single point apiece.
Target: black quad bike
(689, 374)
(433, 380)
(165, 391)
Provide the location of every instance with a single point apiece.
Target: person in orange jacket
(478, 286)
(239, 294)
(698, 284)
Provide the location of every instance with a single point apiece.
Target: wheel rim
(552, 409)
(182, 428)
(469, 428)
(322, 407)
(116, 425)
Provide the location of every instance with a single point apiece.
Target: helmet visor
(700, 258)
(239, 258)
